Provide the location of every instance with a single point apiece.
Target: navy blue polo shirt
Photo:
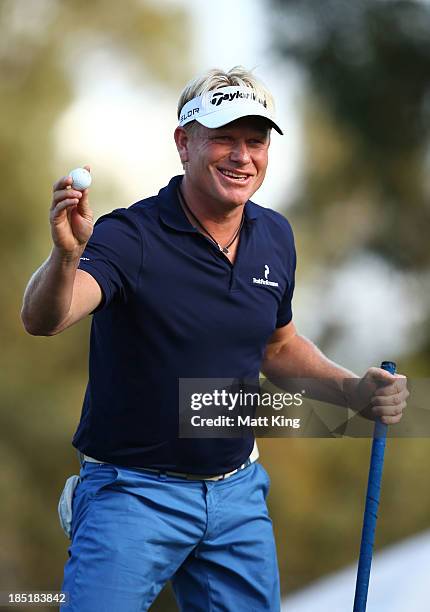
(174, 307)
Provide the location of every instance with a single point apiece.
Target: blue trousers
(132, 531)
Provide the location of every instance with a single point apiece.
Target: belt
(251, 459)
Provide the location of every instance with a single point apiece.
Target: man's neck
(210, 211)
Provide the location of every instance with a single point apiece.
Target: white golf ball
(81, 178)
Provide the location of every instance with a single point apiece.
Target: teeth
(233, 175)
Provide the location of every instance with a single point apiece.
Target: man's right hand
(59, 294)
(71, 217)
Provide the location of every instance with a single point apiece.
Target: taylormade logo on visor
(218, 97)
(221, 106)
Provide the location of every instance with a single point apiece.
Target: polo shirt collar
(171, 212)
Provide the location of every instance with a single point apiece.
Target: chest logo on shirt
(265, 280)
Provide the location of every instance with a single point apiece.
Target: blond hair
(214, 79)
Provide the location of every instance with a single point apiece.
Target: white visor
(218, 107)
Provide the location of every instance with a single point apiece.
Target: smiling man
(224, 167)
(195, 282)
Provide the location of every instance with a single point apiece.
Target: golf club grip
(371, 509)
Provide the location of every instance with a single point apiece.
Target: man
(195, 282)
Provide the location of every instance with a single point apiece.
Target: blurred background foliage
(368, 111)
(365, 190)
(42, 380)
(365, 193)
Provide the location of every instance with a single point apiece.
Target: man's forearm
(49, 293)
(299, 358)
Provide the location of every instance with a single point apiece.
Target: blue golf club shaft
(371, 509)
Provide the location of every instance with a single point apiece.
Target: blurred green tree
(42, 379)
(365, 66)
(367, 124)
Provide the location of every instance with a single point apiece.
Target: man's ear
(181, 140)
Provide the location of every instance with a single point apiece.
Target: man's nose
(240, 153)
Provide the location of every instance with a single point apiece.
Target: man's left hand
(381, 395)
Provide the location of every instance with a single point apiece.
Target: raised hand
(71, 217)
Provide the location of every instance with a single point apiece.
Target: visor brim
(227, 115)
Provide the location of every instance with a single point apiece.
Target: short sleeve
(113, 256)
(285, 311)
